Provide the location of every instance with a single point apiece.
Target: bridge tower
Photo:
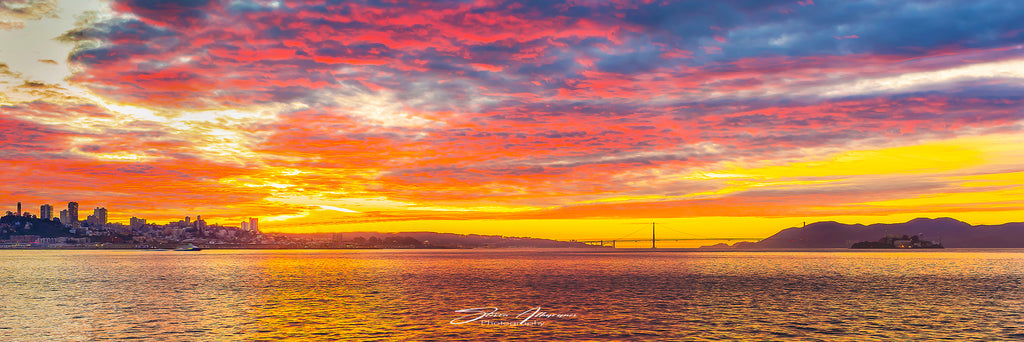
(652, 236)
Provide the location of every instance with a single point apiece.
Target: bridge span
(611, 242)
(654, 239)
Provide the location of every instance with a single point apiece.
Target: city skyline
(101, 213)
(552, 119)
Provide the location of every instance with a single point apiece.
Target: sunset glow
(552, 119)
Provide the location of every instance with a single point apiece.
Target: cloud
(928, 80)
(570, 106)
(13, 14)
(328, 207)
(168, 12)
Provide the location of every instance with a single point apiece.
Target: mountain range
(455, 240)
(950, 232)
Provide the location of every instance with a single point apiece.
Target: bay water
(472, 295)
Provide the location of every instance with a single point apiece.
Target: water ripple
(412, 295)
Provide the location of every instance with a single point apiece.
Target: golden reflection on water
(413, 295)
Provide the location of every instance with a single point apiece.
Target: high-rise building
(136, 223)
(64, 217)
(100, 215)
(188, 220)
(254, 224)
(19, 208)
(245, 225)
(200, 223)
(73, 215)
(46, 211)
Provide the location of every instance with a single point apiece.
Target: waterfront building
(254, 224)
(19, 208)
(64, 217)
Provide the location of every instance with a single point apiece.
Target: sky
(556, 119)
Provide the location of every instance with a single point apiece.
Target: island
(892, 242)
(951, 232)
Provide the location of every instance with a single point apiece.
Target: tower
(73, 215)
(254, 224)
(46, 211)
(19, 208)
(100, 214)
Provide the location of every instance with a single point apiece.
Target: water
(413, 295)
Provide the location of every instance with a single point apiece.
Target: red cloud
(510, 104)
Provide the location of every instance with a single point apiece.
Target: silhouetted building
(64, 217)
(254, 224)
(19, 208)
(73, 215)
(24, 238)
(200, 223)
(136, 223)
(46, 211)
(245, 225)
(101, 215)
(894, 241)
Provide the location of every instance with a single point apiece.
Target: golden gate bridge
(654, 239)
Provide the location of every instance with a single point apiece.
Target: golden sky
(558, 120)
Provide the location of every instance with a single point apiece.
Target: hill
(951, 232)
(23, 225)
(453, 240)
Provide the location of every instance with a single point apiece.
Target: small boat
(189, 248)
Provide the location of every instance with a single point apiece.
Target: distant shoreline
(554, 249)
